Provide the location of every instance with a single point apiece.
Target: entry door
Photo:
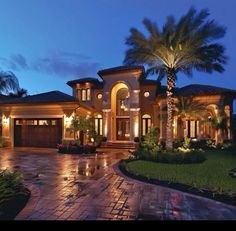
(122, 129)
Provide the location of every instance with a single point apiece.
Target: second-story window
(88, 94)
(78, 94)
(83, 95)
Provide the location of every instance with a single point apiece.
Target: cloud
(57, 62)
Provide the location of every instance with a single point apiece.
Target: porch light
(5, 120)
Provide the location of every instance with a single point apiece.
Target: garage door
(37, 132)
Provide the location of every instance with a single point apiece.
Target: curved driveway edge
(31, 204)
(159, 202)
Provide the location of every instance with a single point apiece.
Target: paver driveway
(91, 187)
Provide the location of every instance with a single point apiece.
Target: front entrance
(122, 129)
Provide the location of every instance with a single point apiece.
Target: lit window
(83, 95)
(192, 127)
(43, 122)
(146, 124)
(146, 94)
(99, 96)
(88, 94)
(98, 125)
(78, 94)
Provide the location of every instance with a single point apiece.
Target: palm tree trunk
(170, 103)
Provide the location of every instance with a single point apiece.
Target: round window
(146, 94)
(99, 96)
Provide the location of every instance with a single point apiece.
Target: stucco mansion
(124, 106)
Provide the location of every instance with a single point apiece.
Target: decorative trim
(106, 110)
(136, 91)
(135, 109)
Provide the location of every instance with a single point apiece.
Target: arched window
(122, 98)
(98, 124)
(146, 124)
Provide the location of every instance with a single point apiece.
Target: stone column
(134, 123)
(106, 115)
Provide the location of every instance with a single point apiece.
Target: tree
(8, 82)
(82, 124)
(186, 106)
(21, 92)
(219, 123)
(181, 46)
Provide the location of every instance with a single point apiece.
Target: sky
(49, 42)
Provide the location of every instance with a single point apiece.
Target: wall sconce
(5, 120)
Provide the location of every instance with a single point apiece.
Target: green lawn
(213, 174)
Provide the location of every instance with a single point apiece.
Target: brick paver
(73, 187)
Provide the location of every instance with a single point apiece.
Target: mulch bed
(9, 209)
(178, 186)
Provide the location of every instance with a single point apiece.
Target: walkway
(72, 187)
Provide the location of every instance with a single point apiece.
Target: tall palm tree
(8, 82)
(179, 47)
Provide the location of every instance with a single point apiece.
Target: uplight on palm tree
(179, 47)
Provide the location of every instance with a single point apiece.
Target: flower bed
(76, 149)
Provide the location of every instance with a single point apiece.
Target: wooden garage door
(37, 132)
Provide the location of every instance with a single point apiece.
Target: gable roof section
(95, 81)
(47, 97)
(119, 69)
(199, 89)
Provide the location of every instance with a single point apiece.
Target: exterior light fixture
(146, 94)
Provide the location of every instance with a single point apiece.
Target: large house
(124, 104)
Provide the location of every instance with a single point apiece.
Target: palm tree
(219, 123)
(187, 106)
(179, 47)
(21, 92)
(8, 82)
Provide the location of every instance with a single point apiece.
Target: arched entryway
(120, 108)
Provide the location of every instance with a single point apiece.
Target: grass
(211, 175)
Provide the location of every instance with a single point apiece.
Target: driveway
(90, 187)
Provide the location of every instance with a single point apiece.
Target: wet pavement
(90, 187)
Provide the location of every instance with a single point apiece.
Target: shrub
(104, 139)
(11, 185)
(98, 140)
(170, 157)
(136, 139)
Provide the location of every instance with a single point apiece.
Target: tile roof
(199, 89)
(47, 97)
(120, 69)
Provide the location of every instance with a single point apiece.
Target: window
(78, 94)
(146, 94)
(98, 125)
(192, 127)
(88, 90)
(99, 96)
(122, 102)
(146, 124)
(43, 122)
(83, 95)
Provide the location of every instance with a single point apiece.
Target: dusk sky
(48, 42)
